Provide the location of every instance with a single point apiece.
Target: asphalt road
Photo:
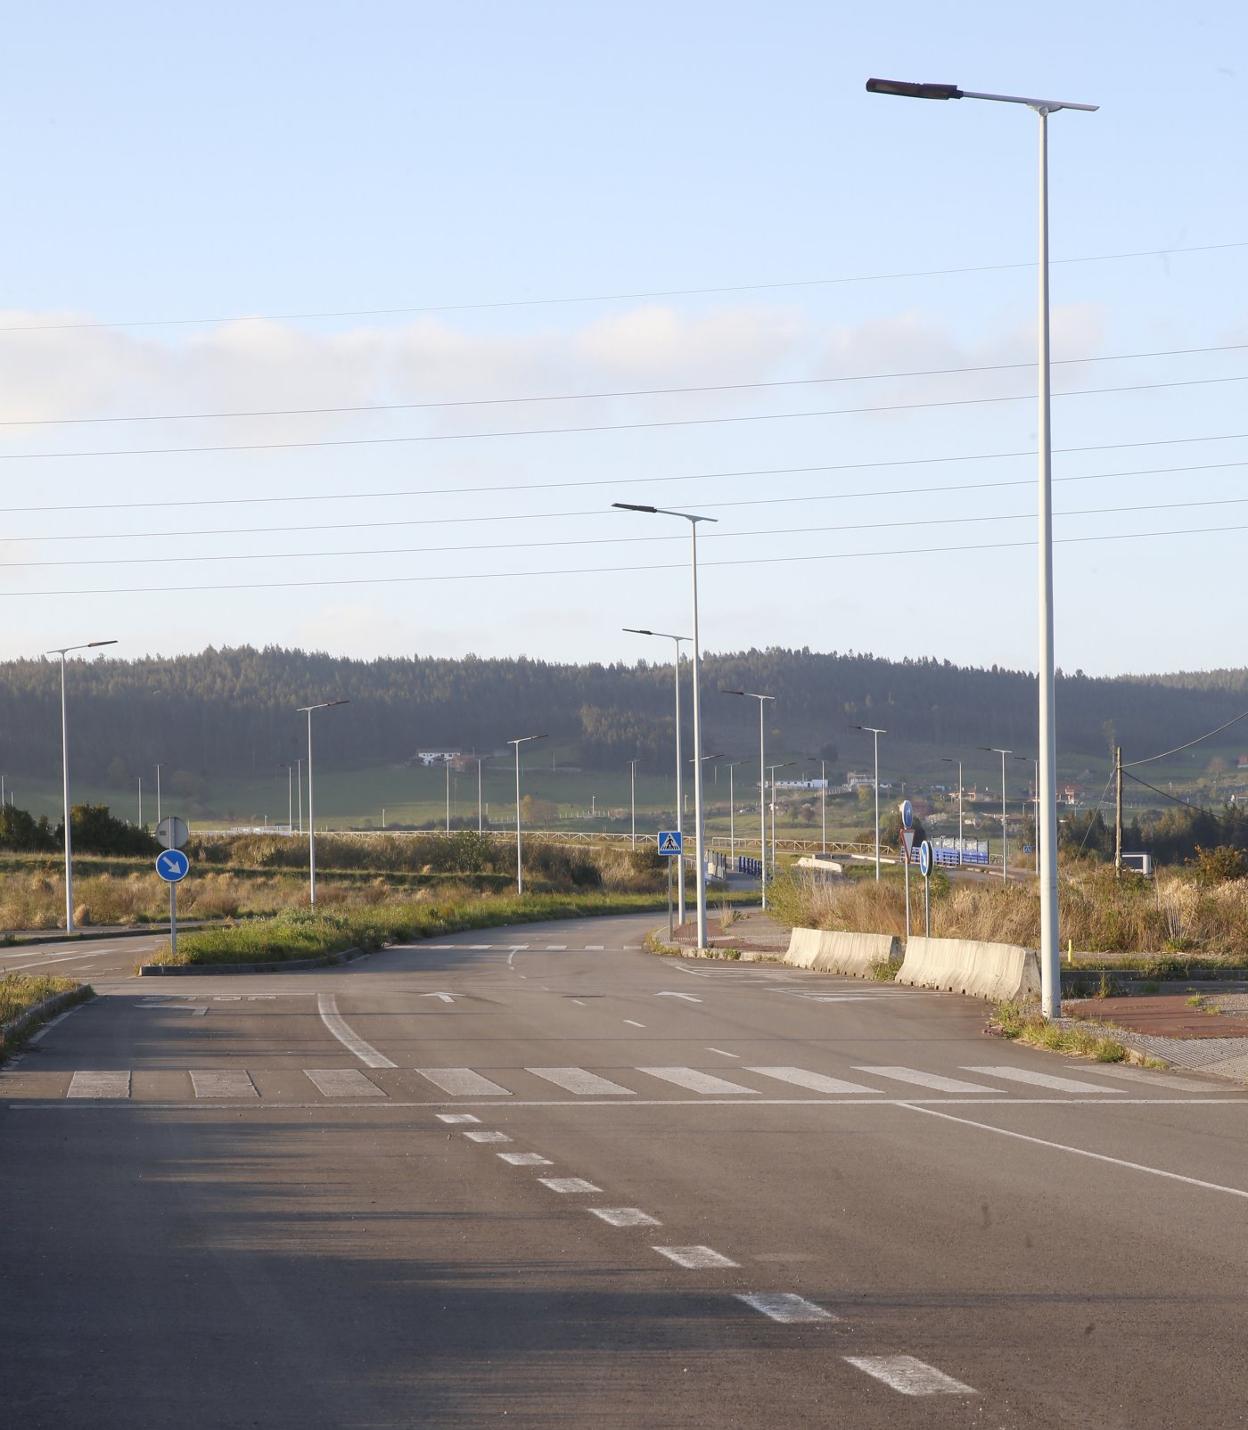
(89, 959)
(537, 1175)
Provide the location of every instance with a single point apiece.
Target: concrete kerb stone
(291, 965)
(48, 1008)
(1002, 972)
(837, 951)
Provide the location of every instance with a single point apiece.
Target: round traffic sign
(907, 814)
(172, 865)
(172, 832)
(925, 858)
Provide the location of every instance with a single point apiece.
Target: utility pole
(823, 800)
(1117, 811)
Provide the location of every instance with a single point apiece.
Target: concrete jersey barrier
(827, 951)
(999, 971)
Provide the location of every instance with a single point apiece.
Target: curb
(10, 1032)
(289, 965)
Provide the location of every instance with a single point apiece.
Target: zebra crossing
(639, 1084)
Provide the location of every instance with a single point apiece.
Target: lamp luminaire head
(908, 89)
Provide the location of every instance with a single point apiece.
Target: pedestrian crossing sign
(671, 841)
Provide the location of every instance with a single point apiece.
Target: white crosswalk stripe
(229, 1082)
(99, 1084)
(935, 1081)
(1039, 1079)
(816, 1082)
(463, 1082)
(580, 1081)
(785, 1306)
(910, 1376)
(694, 1258)
(695, 1081)
(1156, 1079)
(342, 1082)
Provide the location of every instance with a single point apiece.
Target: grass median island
(308, 934)
(1017, 1023)
(20, 992)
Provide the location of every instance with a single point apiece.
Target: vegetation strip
(1012, 1021)
(28, 1000)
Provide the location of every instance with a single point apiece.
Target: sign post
(907, 843)
(925, 868)
(172, 866)
(671, 846)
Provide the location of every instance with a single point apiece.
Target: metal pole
(140, 801)
(680, 802)
(69, 856)
(519, 866)
(157, 794)
(1035, 811)
(905, 864)
(927, 906)
(632, 795)
(290, 796)
(1005, 833)
(480, 816)
(299, 778)
(448, 796)
(173, 917)
(823, 800)
(732, 818)
(311, 823)
(876, 738)
(1117, 811)
(762, 804)
(698, 834)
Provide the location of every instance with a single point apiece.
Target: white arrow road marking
(445, 997)
(688, 997)
(198, 1010)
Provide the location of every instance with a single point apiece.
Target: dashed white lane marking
(688, 997)
(722, 1053)
(568, 1184)
(342, 1082)
(910, 1376)
(454, 1117)
(99, 1084)
(1083, 1151)
(580, 1002)
(926, 1079)
(786, 1306)
(477, 1134)
(817, 1082)
(633, 1023)
(578, 1080)
(595, 948)
(1158, 1079)
(624, 1216)
(556, 948)
(462, 1082)
(525, 1159)
(227, 1083)
(694, 1258)
(327, 1007)
(697, 1081)
(1039, 1079)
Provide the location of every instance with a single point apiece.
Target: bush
(1218, 866)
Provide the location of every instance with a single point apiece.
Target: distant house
(438, 757)
(1070, 795)
(856, 780)
(1241, 762)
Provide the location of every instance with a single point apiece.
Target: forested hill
(233, 711)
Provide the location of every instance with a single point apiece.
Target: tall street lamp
(946, 760)
(680, 788)
(1005, 834)
(772, 770)
(732, 813)
(158, 794)
(63, 651)
(632, 796)
(522, 740)
(762, 785)
(307, 710)
(480, 806)
(1046, 793)
(875, 733)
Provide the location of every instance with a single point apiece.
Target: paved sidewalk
(1167, 1027)
(751, 930)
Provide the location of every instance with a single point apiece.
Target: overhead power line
(1200, 809)
(1130, 764)
(346, 410)
(610, 570)
(601, 427)
(621, 297)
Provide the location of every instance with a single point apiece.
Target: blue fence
(746, 865)
(950, 856)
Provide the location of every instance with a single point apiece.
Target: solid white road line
(327, 1007)
(525, 1159)
(476, 1134)
(453, 1117)
(786, 1306)
(624, 1216)
(693, 1258)
(580, 1081)
(580, 1002)
(926, 1079)
(99, 1084)
(633, 1023)
(52, 1022)
(1083, 1152)
(462, 1082)
(595, 948)
(688, 997)
(342, 1082)
(1186, 1084)
(697, 1081)
(228, 1083)
(817, 1082)
(568, 1184)
(722, 1053)
(910, 1376)
(1039, 1079)
(556, 948)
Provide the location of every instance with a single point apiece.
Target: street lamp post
(876, 733)
(290, 798)
(158, 794)
(732, 814)
(140, 801)
(480, 806)
(632, 796)
(299, 790)
(680, 796)
(1005, 835)
(448, 796)
(63, 651)
(307, 710)
(946, 760)
(772, 771)
(523, 739)
(1046, 792)
(762, 786)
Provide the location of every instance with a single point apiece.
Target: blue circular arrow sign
(925, 858)
(172, 865)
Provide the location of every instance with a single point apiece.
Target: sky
(219, 211)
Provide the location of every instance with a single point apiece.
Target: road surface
(536, 1176)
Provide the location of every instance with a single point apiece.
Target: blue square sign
(671, 841)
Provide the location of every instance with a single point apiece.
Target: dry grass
(1016, 1023)
(1099, 914)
